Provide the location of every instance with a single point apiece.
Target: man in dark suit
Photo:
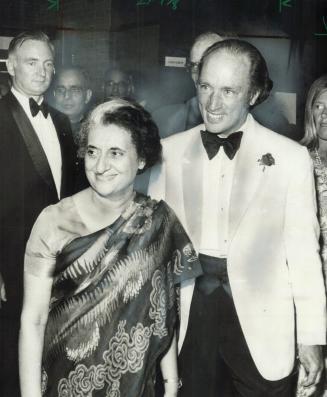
(37, 168)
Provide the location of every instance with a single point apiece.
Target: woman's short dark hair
(260, 81)
(310, 138)
(133, 118)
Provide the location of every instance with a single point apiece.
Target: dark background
(97, 34)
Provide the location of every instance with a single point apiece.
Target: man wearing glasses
(72, 94)
(183, 116)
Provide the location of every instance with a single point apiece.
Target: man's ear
(10, 63)
(254, 98)
(88, 96)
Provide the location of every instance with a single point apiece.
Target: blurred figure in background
(315, 138)
(183, 116)
(72, 94)
(118, 84)
(5, 84)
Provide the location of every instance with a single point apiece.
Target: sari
(113, 308)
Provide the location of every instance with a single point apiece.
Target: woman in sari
(101, 269)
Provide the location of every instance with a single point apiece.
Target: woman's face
(111, 161)
(320, 115)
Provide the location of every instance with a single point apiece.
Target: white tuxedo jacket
(273, 259)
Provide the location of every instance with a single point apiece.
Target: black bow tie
(212, 142)
(35, 108)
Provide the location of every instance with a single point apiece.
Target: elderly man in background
(37, 166)
(183, 116)
(118, 83)
(72, 94)
(246, 197)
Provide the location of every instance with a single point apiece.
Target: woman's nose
(103, 164)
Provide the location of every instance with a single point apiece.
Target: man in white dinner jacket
(246, 197)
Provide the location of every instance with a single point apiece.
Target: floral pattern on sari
(113, 307)
(125, 354)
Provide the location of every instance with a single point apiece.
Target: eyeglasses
(73, 91)
(192, 66)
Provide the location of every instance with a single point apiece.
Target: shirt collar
(24, 100)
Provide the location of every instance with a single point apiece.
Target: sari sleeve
(41, 248)
(186, 264)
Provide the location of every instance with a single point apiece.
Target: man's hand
(2, 291)
(310, 357)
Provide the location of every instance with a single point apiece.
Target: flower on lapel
(266, 160)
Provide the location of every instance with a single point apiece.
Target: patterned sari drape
(113, 306)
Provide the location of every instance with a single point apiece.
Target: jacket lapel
(192, 172)
(248, 176)
(31, 140)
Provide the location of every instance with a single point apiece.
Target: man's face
(31, 67)
(118, 85)
(71, 95)
(223, 92)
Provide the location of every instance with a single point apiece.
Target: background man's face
(196, 53)
(117, 84)
(223, 92)
(31, 67)
(71, 95)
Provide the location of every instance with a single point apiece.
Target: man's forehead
(33, 48)
(116, 75)
(222, 56)
(70, 78)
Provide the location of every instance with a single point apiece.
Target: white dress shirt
(47, 135)
(217, 184)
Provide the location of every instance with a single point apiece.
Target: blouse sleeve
(41, 252)
(186, 264)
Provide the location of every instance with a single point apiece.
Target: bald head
(201, 44)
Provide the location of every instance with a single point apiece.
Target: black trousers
(9, 380)
(215, 360)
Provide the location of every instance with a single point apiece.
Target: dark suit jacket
(27, 187)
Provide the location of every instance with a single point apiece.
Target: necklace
(321, 166)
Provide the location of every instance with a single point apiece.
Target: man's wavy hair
(260, 81)
(17, 41)
(310, 138)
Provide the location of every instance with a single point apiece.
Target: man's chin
(215, 128)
